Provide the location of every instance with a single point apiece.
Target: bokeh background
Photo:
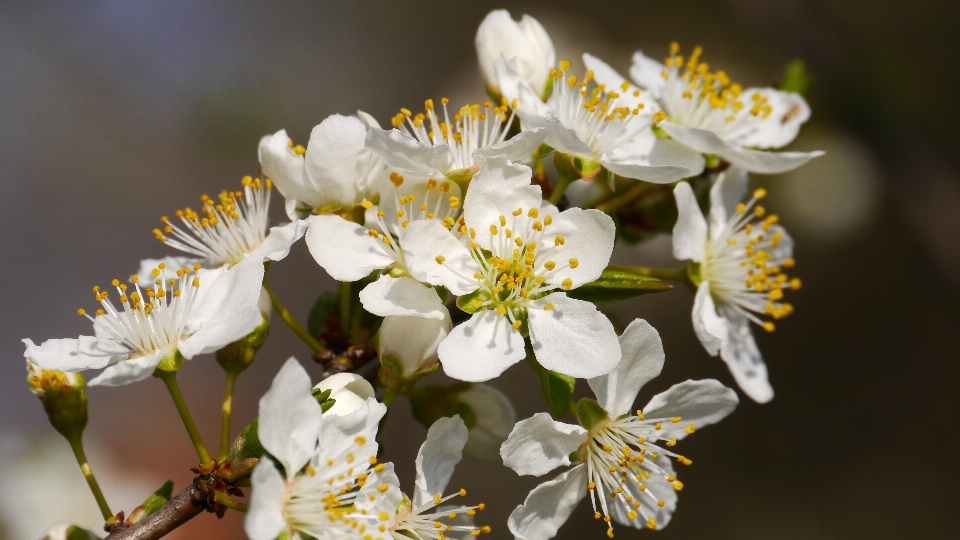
(115, 113)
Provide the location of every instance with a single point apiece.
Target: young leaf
(615, 285)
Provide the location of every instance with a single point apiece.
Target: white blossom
(334, 452)
(389, 514)
(196, 312)
(515, 257)
(623, 459)
(494, 418)
(742, 253)
(710, 114)
(525, 42)
(412, 340)
(349, 391)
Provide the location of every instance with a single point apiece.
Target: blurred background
(115, 113)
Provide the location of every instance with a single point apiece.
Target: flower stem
(76, 444)
(288, 318)
(628, 196)
(391, 395)
(225, 499)
(672, 274)
(169, 379)
(561, 188)
(225, 411)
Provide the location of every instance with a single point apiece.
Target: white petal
(279, 240)
(349, 390)
(264, 519)
(700, 403)
(481, 348)
(517, 90)
(757, 161)
(656, 484)
(788, 112)
(352, 435)
(227, 311)
(710, 327)
(413, 340)
(290, 418)
(337, 162)
(368, 121)
(641, 360)
(690, 232)
(408, 155)
(549, 506)
(85, 352)
(653, 159)
(495, 419)
(540, 444)
(285, 168)
(588, 238)
(647, 73)
(573, 337)
(517, 148)
(437, 458)
(345, 249)
(423, 242)
(129, 371)
(498, 189)
(372, 500)
(526, 42)
(654, 174)
(729, 189)
(740, 352)
(402, 296)
(560, 137)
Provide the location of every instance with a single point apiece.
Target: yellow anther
(440, 259)
(533, 213)
(795, 282)
(567, 283)
(549, 265)
(658, 425)
(548, 307)
(760, 193)
(769, 326)
(81, 311)
(366, 204)
(494, 229)
(671, 442)
(558, 241)
(690, 428)
(574, 263)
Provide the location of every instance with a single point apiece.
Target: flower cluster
(458, 250)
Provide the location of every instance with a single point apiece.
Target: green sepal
(431, 403)
(66, 408)
(693, 270)
(245, 453)
(465, 302)
(547, 88)
(590, 413)
(615, 285)
(543, 151)
(171, 362)
(494, 94)
(557, 388)
(153, 503)
(323, 398)
(587, 168)
(711, 161)
(462, 177)
(795, 77)
(238, 355)
(659, 132)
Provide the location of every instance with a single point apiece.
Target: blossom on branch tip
(742, 253)
(510, 258)
(707, 113)
(196, 312)
(525, 42)
(623, 459)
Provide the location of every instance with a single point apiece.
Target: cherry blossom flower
(525, 42)
(710, 114)
(196, 312)
(623, 459)
(741, 253)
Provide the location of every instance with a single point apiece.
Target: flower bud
(64, 397)
(66, 531)
(238, 355)
(495, 418)
(410, 343)
(349, 391)
(526, 42)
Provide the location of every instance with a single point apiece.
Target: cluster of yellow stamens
(226, 228)
(153, 317)
(423, 522)
(473, 127)
(623, 457)
(745, 264)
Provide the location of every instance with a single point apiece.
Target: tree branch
(183, 507)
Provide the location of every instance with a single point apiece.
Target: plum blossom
(525, 42)
(389, 513)
(708, 113)
(622, 458)
(741, 253)
(325, 459)
(514, 271)
(348, 390)
(196, 312)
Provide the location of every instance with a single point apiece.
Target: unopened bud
(64, 397)
(238, 355)
(349, 392)
(407, 346)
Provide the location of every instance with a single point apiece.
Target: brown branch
(183, 507)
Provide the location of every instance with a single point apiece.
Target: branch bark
(183, 507)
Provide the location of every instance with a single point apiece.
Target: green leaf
(468, 302)
(159, 497)
(557, 388)
(590, 413)
(795, 77)
(615, 285)
(431, 403)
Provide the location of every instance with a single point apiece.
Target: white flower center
(474, 127)
(622, 457)
(517, 266)
(224, 230)
(744, 264)
(602, 118)
(153, 318)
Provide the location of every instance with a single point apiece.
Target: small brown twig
(183, 507)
